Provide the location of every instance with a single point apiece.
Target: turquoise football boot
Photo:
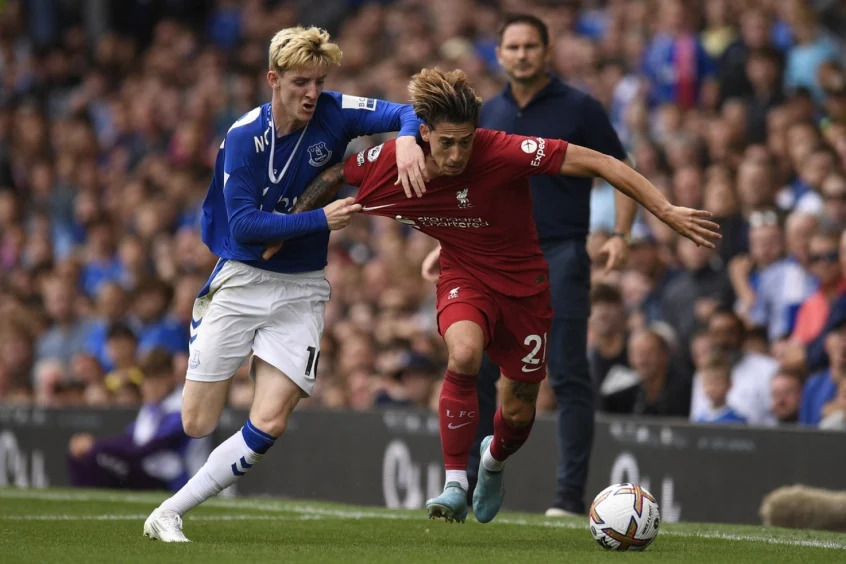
(489, 492)
(451, 505)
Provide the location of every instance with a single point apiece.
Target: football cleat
(451, 505)
(487, 498)
(165, 526)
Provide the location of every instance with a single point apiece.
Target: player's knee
(465, 358)
(197, 424)
(196, 427)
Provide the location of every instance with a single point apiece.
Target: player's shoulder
(492, 141)
(382, 155)
(251, 123)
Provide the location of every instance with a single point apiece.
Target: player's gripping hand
(411, 166)
(339, 213)
(693, 224)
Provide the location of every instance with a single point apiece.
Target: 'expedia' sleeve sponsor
(521, 156)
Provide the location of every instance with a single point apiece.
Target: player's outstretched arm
(319, 194)
(693, 224)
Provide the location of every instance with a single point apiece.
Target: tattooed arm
(321, 190)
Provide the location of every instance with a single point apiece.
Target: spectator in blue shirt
(675, 62)
(822, 386)
(716, 381)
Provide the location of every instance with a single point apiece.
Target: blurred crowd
(110, 120)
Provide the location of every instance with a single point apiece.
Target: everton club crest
(319, 154)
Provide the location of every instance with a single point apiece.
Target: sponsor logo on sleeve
(359, 158)
(539, 154)
(357, 103)
(373, 153)
(529, 146)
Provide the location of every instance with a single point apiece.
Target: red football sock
(458, 410)
(507, 439)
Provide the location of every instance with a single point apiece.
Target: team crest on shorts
(319, 154)
(195, 360)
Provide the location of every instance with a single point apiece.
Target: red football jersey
(482, 217)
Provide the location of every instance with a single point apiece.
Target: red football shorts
(516, 329)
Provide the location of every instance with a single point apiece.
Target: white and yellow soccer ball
(624, 517)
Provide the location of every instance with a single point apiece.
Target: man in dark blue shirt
(539, 104)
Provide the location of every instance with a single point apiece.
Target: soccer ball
(624, 517)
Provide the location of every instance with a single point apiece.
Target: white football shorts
(277, 316)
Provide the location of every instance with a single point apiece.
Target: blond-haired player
(274, 308)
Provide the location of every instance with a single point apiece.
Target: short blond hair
(299, 47)
(443, 96)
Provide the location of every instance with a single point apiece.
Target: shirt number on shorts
(534, 363)
(311, 364)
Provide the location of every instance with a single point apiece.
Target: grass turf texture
(106, 526)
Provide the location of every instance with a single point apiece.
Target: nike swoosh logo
(371, 208)
(535, 369)
(460, 425)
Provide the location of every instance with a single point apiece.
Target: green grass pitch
(60, 525)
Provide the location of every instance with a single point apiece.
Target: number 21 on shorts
(531, 362)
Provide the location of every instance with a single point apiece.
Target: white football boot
(165, 526)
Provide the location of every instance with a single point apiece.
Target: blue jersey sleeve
(250, 225)
(366, 116)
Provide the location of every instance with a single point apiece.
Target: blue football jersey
(258, 178)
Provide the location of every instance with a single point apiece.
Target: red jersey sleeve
(522, 156)
(369, 168)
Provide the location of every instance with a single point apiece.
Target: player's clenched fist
(340, 212)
